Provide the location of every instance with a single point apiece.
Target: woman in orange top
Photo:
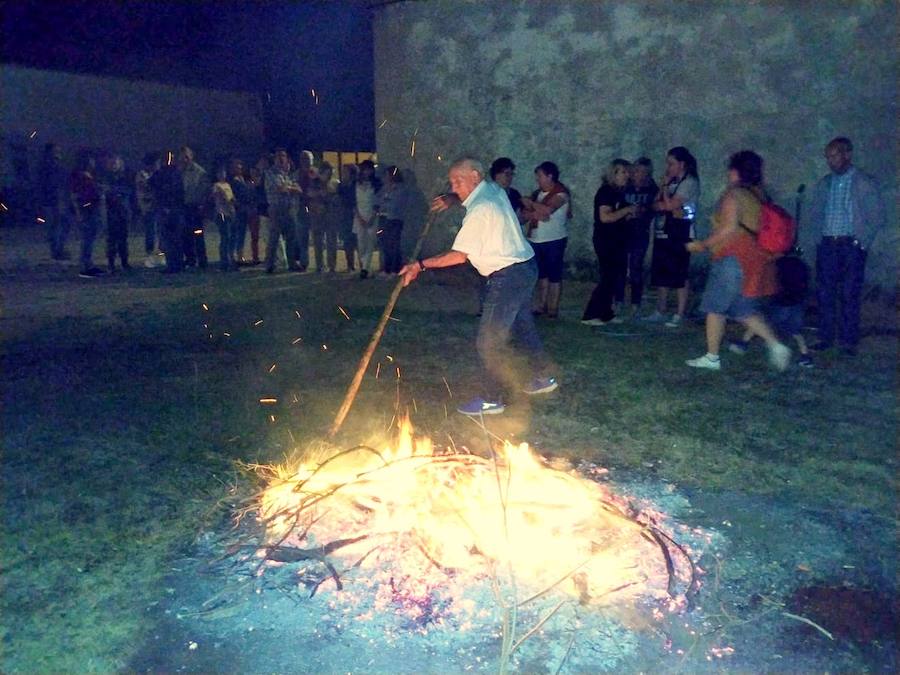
(741, 272)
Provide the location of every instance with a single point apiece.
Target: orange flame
(462, 512)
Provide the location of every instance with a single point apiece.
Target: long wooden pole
(376, 338)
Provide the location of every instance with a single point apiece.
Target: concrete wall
(580, 83)
(131, 117)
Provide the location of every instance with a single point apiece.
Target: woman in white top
(545, 216)
(364, 216)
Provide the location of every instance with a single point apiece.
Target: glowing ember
(431, 518)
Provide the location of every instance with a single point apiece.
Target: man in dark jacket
(168, 193)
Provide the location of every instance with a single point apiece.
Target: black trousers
(389, 237)
(610, 245)
(116, 236)
(194, 241)
(171, 234)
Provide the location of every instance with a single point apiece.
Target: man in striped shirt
(848, 210)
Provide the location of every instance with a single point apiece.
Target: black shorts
(549, 256)
(670, 263)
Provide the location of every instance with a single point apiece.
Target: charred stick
(291, 554)
(375, 339)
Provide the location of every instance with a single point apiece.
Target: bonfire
(417, 528)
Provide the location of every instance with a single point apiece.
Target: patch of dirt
(863, 615)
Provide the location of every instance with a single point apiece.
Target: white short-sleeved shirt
(688, 190)
(490, 234)
(554, 227)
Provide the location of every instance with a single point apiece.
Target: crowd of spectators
(763, 290)
(172, 199)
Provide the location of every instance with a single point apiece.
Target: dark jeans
(610, 247)
(282, 223)
(89, 225)
(389, 237)
(300, 251)
(241, 219)
(350, 250)
(507, 314)
(840, 270)
(171, 235)
(116, 237)
(150, 223)
(194, 240)
(253, 224)
(325, 238)
(57, 222)
(227, 237)
(635, 251)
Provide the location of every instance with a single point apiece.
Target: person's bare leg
(758, 326)
(779, 354)
(682, 295)
(540, 297)
(662, 299)
(554, 290)
(715, 330)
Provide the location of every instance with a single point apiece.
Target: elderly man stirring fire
(492, 240)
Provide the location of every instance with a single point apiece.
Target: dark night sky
(279, 49)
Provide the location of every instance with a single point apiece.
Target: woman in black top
(611, 211)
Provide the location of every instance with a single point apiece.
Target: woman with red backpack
(741, 272)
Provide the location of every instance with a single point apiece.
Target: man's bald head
(465, 175)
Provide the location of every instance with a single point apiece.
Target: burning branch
(416, 523)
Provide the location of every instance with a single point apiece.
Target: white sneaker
(594, 322)
(150, 261)
(779, 357)
(656, 317)
(674, 322)
(705, 362)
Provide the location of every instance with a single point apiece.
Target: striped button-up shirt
(839, 209)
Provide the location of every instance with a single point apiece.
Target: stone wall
(128, 116)
(580, 83)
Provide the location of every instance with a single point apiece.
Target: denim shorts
(549, 257)
(722, 294)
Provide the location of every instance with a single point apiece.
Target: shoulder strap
(762, 203)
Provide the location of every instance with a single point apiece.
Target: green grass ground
(125, 405)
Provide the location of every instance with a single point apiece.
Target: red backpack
(776, 229)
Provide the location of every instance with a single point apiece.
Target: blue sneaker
(541, 385)
(478, 406)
